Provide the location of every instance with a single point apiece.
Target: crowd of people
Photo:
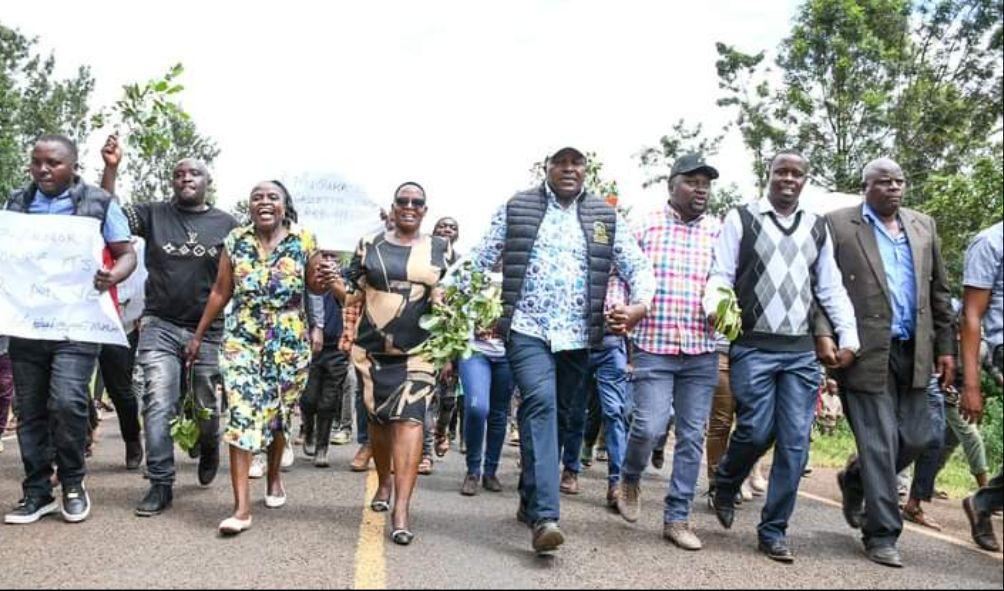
(607, 332)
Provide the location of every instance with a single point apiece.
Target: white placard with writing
(337, 212)
(47, 266)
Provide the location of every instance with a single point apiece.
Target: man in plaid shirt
(675, 364)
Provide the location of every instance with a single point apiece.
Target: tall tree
(918, 81)
(33, 102)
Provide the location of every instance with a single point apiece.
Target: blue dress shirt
(897, 260)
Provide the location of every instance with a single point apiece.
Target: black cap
(691, 163)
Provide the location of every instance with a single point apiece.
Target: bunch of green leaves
(728, 315)
(464, 311)
(185, 426)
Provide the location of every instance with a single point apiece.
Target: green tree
(917, 81)
(965, 202)
(158, 133)
(33, 102)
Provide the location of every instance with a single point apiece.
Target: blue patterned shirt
(554, 302)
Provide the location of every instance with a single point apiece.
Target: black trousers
(115, 365)
(51, 380)
(891, 430)
(325, 384)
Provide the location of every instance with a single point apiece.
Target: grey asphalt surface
(461, 541)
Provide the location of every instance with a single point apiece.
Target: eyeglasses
(408, 202)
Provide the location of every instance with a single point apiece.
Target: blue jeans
(667, 386)
(51, 381)
(775, 396)
(609, 366)
(161, 353)
(488, 388)
(925, 469)
(550, 384)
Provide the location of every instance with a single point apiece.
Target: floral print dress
(266, 351)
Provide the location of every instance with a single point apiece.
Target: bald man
(892, 268)
(184, 239)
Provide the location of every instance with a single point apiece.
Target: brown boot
(569, 483)
(613, 495)
(361, 462)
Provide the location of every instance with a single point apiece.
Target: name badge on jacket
(600, 235)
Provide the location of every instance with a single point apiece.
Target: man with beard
(184, 238)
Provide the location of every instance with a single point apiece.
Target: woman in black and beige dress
(394, 274)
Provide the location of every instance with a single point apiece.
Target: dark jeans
(679, 386)
(115, 365)
(162, 355)
(775, 396)
(550, 384)
(609, 372)
(51, 380)
(6, 390)
(487, 391)
(925, 470)
(891, 429)
(325, 385)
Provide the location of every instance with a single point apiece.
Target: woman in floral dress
(266, 350)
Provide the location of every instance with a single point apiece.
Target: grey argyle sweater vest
(775, 275)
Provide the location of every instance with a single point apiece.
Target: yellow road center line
(371, 571)
(969, 545)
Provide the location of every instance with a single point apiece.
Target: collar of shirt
(765, 206)
(554, 197)
(64, 195)
(873, 218)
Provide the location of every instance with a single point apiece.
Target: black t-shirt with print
(182, 257)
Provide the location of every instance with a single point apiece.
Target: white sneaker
(257, 466)
(288, 457)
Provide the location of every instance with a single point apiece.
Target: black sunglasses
(408, 202)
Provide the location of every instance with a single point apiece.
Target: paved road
(324, 538)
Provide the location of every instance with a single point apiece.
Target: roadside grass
(832, 451)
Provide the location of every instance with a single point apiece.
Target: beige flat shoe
(232, 526)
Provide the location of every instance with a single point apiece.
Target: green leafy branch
(463, 312)
(728, 315)
(185, 428)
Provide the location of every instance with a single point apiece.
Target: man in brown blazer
(893, 271)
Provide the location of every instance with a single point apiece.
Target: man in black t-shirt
(184, 239)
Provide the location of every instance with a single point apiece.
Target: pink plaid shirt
(681, 257)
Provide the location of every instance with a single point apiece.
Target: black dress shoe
(76, 503)
(209, 463)
(157, 499)
(658, 459)
(851, 501)
(778, 551)
(885, 555)
(547, 536)
(724, 510)
(134, 454)
(980, 526)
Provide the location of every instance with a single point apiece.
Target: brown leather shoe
(613, 495)
(361, 462)
(569, 483)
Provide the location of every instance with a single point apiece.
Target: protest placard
(338, 212)
(47, 266)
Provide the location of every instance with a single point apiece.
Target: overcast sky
(461, 96)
